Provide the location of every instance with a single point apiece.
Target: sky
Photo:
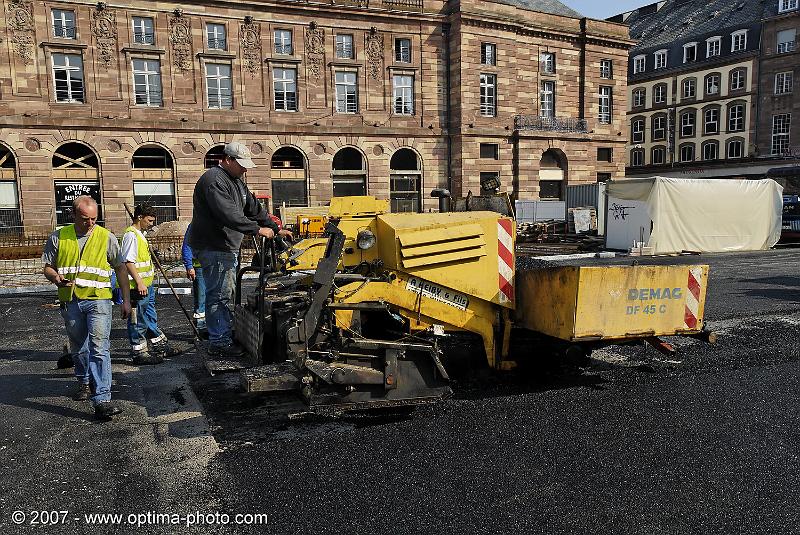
(601, 9)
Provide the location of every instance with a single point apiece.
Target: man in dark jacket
(224, 211)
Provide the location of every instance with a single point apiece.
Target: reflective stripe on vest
(88, 270)
(143, 262)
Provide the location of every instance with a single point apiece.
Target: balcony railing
(64, 31)
(785, 47)
(285, 49)
(216, 43)
(353, 3)
(550, 124)
(144, 38)
(403, 4)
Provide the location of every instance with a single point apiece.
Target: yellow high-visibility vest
(144, 264)
(89, 270)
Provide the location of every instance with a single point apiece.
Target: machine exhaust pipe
(444, 199)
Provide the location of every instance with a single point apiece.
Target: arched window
(658, 155)
(552, 175)
(10, 216)
(711, 120)
(687, 152)
(637, 130)
(76, 172)
(735, 148)
(639, 97)
(214, 155)
(153, 181)
(406, 181)
(710, 150)
(288, 172)
(637, 157)
(349, 173)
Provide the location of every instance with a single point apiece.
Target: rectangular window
(215, 37)
(403, 94)
(637, 131)
(488, 95)
(605, 105)
(344, 46)
(713, 47)
(402, 50)
(638, 64)
(603, 177)
(488, 54)
(687, 124)
(658, 156)
(689, 52)
(604, 154)
(712, 84)
(711, 123)
(547, 99)
(637, 158)
(659, 94)
(639, 97)
(218, 86)
(689, 88)
(786, 5)
(661, 59)
(687, 153)
(735, 148)
(737, 79)
(781, 125)
(659, 128)
(159, 194)
(739, 41)
(346, 92)
(143, 31)
(736, 118)
(784, 82)
(606, 69)
(68, 77)
(548, 60)
(147, 82)
(404, 194)
(64, 23)
(283, 42)
(284, 83)
(490, 151)
(786, 40)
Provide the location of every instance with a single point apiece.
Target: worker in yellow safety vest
(143, 319)
(79, 258)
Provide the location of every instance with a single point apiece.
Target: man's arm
(122, 276)
(49, 256)
(129, 254)
(52, 274)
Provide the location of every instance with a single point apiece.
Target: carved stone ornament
(374, 49)
(104, 29)
(250, 39)
(315, 51)
(180, 36)
(20, 22)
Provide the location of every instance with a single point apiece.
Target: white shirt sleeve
(130, 248)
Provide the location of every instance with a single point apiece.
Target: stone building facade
(392, 98)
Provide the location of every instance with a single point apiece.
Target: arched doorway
(10, 215)
(349, 173)
(552, 175)
(153, 174)
(214, 155)
(288, 174)
(405, 178)
(76, 172)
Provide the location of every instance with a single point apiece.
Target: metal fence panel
(532, 211)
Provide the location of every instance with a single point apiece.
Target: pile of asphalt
(526, 263)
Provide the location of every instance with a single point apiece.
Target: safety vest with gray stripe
(144, 264)
(89, 269)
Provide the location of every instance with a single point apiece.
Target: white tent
(671, 215)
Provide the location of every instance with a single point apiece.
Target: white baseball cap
(240, 153)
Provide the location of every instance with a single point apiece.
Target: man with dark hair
(224, 211)
(136, 255)
(78, 258)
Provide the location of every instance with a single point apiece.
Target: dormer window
(661, 59)
(713, 47)
(739, 41)
(690, 52)
(638, 64)
(787, 5)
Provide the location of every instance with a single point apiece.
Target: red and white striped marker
(693, 297)
(505, 259)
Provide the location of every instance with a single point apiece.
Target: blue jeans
(199, 291)
(146, 320)
(88, 324)
(219, 272)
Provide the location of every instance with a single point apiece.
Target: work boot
(143, 358)
(229, 351)
(105, 410)
(163, 349)
(83, 392)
